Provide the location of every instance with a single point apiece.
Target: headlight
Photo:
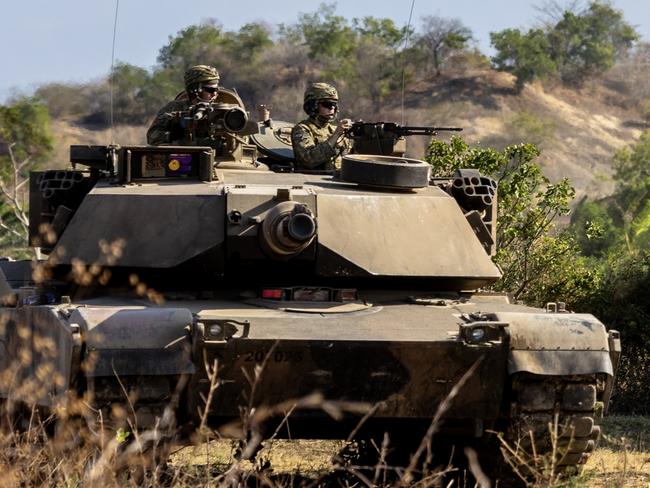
(215, 330)
(477, 334)
(483, 333)
(223, 329)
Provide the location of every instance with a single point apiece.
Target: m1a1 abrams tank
(363, 287)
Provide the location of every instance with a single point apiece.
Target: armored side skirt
(403, 384)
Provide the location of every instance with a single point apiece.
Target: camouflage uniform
(311, 147)
(310, 138)
(165, 128)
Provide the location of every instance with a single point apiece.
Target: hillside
(578, 131)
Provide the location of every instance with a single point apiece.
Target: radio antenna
(110, 82)
(406, 43)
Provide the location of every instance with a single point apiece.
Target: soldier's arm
(307, 152)
(345, 146)
(342, 143)
(160, 130)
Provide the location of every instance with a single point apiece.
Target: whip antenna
(406, 43)
(110, 82)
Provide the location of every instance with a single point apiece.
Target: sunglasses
(327, 104)
(210, 89)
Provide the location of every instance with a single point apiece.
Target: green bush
(537, 265)
(621, 302)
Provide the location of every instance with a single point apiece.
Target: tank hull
(303, 305)
(400, 361)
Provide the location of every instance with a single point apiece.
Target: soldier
(317, 142)
(201, 85)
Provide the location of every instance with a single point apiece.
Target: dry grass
(623, 458)
(617, 468)
(33, 459)
(306, 457)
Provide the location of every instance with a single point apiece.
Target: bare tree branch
(11, 191)
(440, 37)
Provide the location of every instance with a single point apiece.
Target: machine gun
(387, 138)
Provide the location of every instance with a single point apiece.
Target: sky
(71, 40)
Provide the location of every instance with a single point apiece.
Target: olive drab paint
(363, 289)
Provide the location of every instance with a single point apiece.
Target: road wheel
(553, 425)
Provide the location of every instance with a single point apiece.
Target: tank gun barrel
(288, 229)
(301, 227)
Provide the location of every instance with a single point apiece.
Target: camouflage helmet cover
(320, 91)
(200, 74)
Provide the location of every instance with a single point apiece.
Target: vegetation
(538, 265)
(265, 62)
(600, 263)
(25, 142)
(106, 457)
(440, 38)
(530, 127)
(613, 233)
(578, 46)
(524, 55)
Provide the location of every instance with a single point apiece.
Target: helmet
(200, 74)
(316, 92)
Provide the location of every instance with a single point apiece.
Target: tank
(333, 306)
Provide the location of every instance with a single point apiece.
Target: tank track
(553, 424)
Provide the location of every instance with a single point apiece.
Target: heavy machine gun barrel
(387, 138)
(359, 129)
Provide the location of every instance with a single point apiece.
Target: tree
(439, 38)
(527, 56)
(382, 30)
(329, 36)
(631, 202)
(593, 228)
(63, 99)
(129, 101)
(25, 124)
(579, 45)
(586, 44)
(552, 11)
(25, 140)
(191, 46)
(375, 61)
(248, 42)
(536, 265)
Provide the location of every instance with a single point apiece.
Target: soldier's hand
(343, 126)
